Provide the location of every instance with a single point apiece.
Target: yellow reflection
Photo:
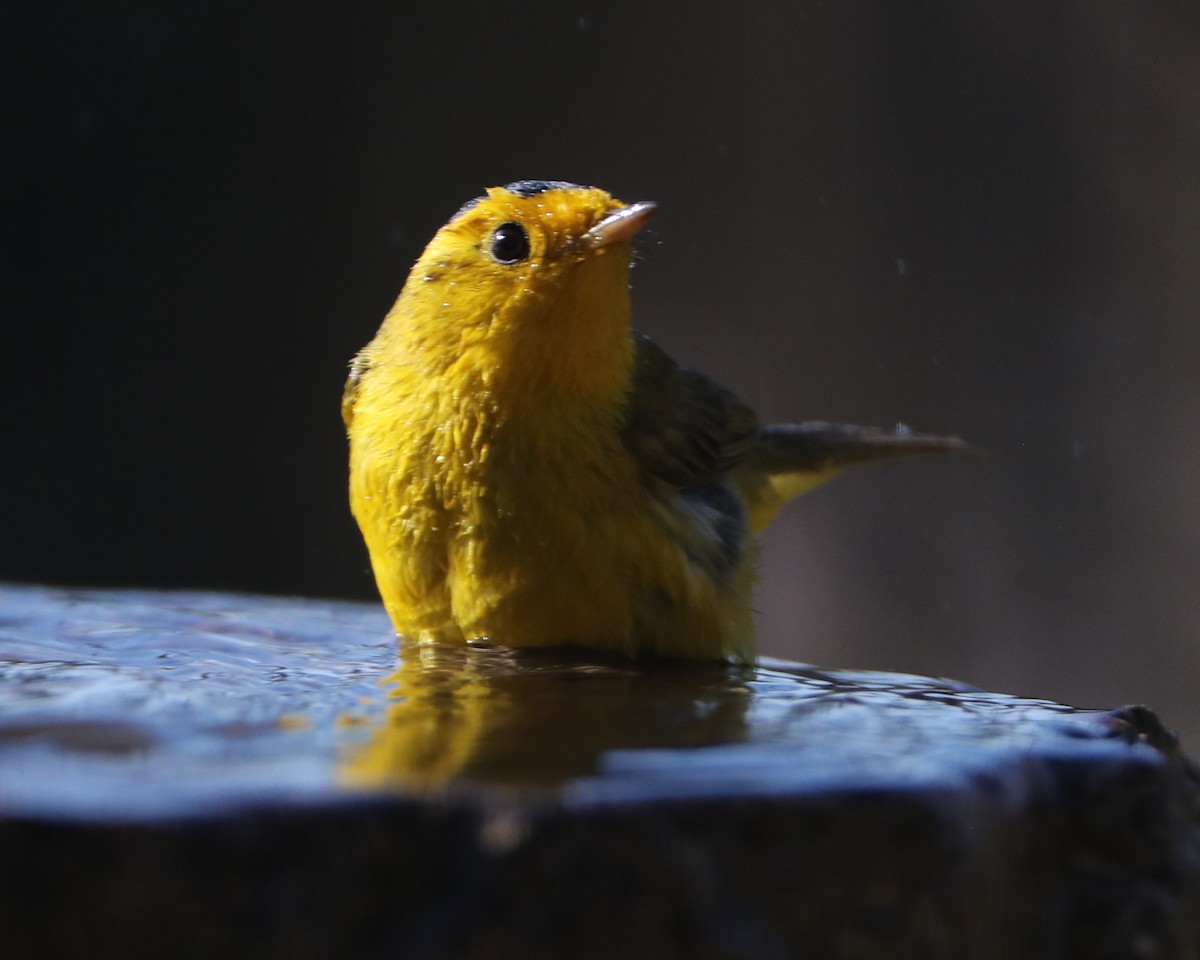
(536, 718)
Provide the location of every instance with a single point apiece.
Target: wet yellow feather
(491, 469)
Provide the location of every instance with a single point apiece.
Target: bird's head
(528, 283)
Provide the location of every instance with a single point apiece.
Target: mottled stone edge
(1084, 859)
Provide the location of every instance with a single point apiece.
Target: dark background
(975, 217)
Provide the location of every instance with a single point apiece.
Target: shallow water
(147, 704)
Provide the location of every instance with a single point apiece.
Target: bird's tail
(789, 459)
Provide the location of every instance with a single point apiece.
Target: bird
(527, 470)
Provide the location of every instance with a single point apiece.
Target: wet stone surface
(274, 776)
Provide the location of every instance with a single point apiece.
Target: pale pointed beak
(619, 225)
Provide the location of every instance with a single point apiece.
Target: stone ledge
(478, 804)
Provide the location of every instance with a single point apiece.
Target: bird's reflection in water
(535, 718)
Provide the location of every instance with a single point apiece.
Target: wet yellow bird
(526, 469)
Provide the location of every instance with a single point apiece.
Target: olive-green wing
(681, 427)
(689, 431)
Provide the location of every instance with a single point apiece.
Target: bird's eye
(510, 243)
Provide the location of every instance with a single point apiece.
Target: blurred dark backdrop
(974, 216)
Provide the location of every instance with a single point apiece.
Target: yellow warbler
(527, 470)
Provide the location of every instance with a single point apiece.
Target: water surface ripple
(149, 704)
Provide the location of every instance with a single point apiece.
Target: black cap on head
(531, 188)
